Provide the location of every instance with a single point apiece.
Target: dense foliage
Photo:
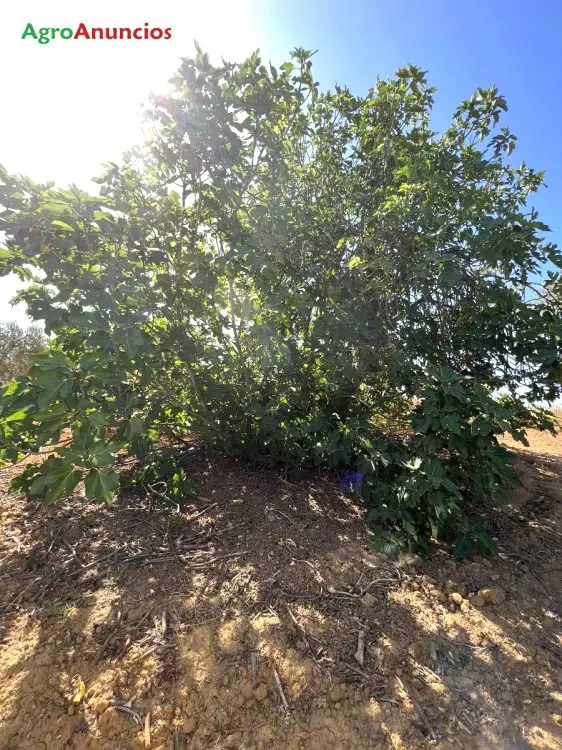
(316, 278)
(17, 347)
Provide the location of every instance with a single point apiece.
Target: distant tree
(17, 346)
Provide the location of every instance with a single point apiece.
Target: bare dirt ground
(238, 623)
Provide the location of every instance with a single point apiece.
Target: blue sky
(69, 106)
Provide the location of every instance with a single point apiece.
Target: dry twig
(280, 690)
(360, 653)
(254, 666)
(147, 742)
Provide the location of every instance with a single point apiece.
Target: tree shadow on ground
(255, 595)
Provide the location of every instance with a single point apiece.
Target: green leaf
(101, 484)
(451, 486)
(421, 424)
(62, 225)
(460, 445)
(480, 427)
(62, 483)
(133, 340)
(486, 545)
(456, 390)
(451, 422)
(98, 419)
(464, 546)
(57, 479)
(433, 471)
(83, 437)
(52, 360)
(520, 436)
(38, 485)
(53, 385)
(17, 415)
(134, 428)
(103, 455)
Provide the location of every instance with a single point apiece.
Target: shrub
(312, 277)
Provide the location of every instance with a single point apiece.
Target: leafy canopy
(314, 277)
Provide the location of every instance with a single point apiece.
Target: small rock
(260, 693)
(410, 560)
(478, 601)
(456, 598)
(415, 586)
(439, 595)
(71, 710)
(495, 595)
(487, 563)
(238, 501)
(428, 579)
(337, 692)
